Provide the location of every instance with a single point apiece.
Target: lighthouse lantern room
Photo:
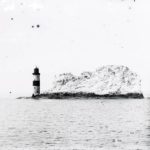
(36, 82)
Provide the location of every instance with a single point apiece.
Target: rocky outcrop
(107, 80)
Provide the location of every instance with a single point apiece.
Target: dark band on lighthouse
(36, 83)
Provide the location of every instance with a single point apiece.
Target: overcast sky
(71, 36)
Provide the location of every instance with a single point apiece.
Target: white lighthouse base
(36, 90)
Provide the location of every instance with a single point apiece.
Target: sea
(75, 124)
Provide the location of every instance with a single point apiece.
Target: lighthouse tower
(36, 82)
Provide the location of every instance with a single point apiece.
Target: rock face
(107, 80)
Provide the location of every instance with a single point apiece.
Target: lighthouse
(36, 82)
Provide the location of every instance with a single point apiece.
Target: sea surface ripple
(75, 124)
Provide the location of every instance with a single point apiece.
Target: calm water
(74, 124)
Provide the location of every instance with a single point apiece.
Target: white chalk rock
(109, 79)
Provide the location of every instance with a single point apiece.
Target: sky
(71, 36)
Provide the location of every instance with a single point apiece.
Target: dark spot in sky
(37, 25)
(21, 3)
(10, 92)
(12, 18)
(130, 8)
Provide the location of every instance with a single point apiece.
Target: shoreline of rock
(81, 95)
